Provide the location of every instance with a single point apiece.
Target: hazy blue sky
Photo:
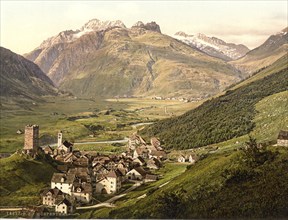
(25, 24)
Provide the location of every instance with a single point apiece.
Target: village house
(68, 158)
(63, 168)
(65, 147)
(121, 165)
(192, 159)
(150, 178)
(160, 155)
(48, 150)
(64, 207)
(181, 159)
(51, 197)
(155, 142)
(82, 161)
(140, 152)
(100, 159)
(99, 171)
(63, 181)
(138, 173)
(139, 160)
(110, 183)
(282, 139)
(111, 165)
(153, 163)
(82, 173)
(19, 131)
(134, 141)
(82, 191)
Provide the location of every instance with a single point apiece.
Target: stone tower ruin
(31, 142)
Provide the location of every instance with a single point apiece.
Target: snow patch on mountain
(70, 35)
(213, 46)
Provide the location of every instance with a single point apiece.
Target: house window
(111, 182)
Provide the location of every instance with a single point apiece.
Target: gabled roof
(140, 151)
(48, 148)
(154, 161)
(140, 170)
(283, 135)
(85, 187)
(55, 192)
(79, 171)
(151, 177)
(140, 159)
(68, 178)
(137, 137)
(67, 144)
(114, 174)
(155, 142)
(68, 156)
(66, 202)
(158, 153)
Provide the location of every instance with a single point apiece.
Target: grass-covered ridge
(219, 119)
(234, 185)
(22, 178)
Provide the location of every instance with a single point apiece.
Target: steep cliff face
(113, 60)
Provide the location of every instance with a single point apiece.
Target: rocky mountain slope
(213, 46)
(108, 59)
(21, 79)
(271, 50)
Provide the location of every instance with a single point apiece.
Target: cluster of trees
(219, 119)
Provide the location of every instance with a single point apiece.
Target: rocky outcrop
(152, 26)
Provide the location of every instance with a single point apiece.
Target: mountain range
(108, 59)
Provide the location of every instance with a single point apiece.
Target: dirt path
(109, 203)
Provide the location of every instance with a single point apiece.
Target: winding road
(125, 140)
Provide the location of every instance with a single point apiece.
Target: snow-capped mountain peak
(98, 25)
(90, 26)
(213, 46)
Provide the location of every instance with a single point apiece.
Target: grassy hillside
(21, 80)
(277, 66)
(22, 179)
(221, 186)
(219, 119)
